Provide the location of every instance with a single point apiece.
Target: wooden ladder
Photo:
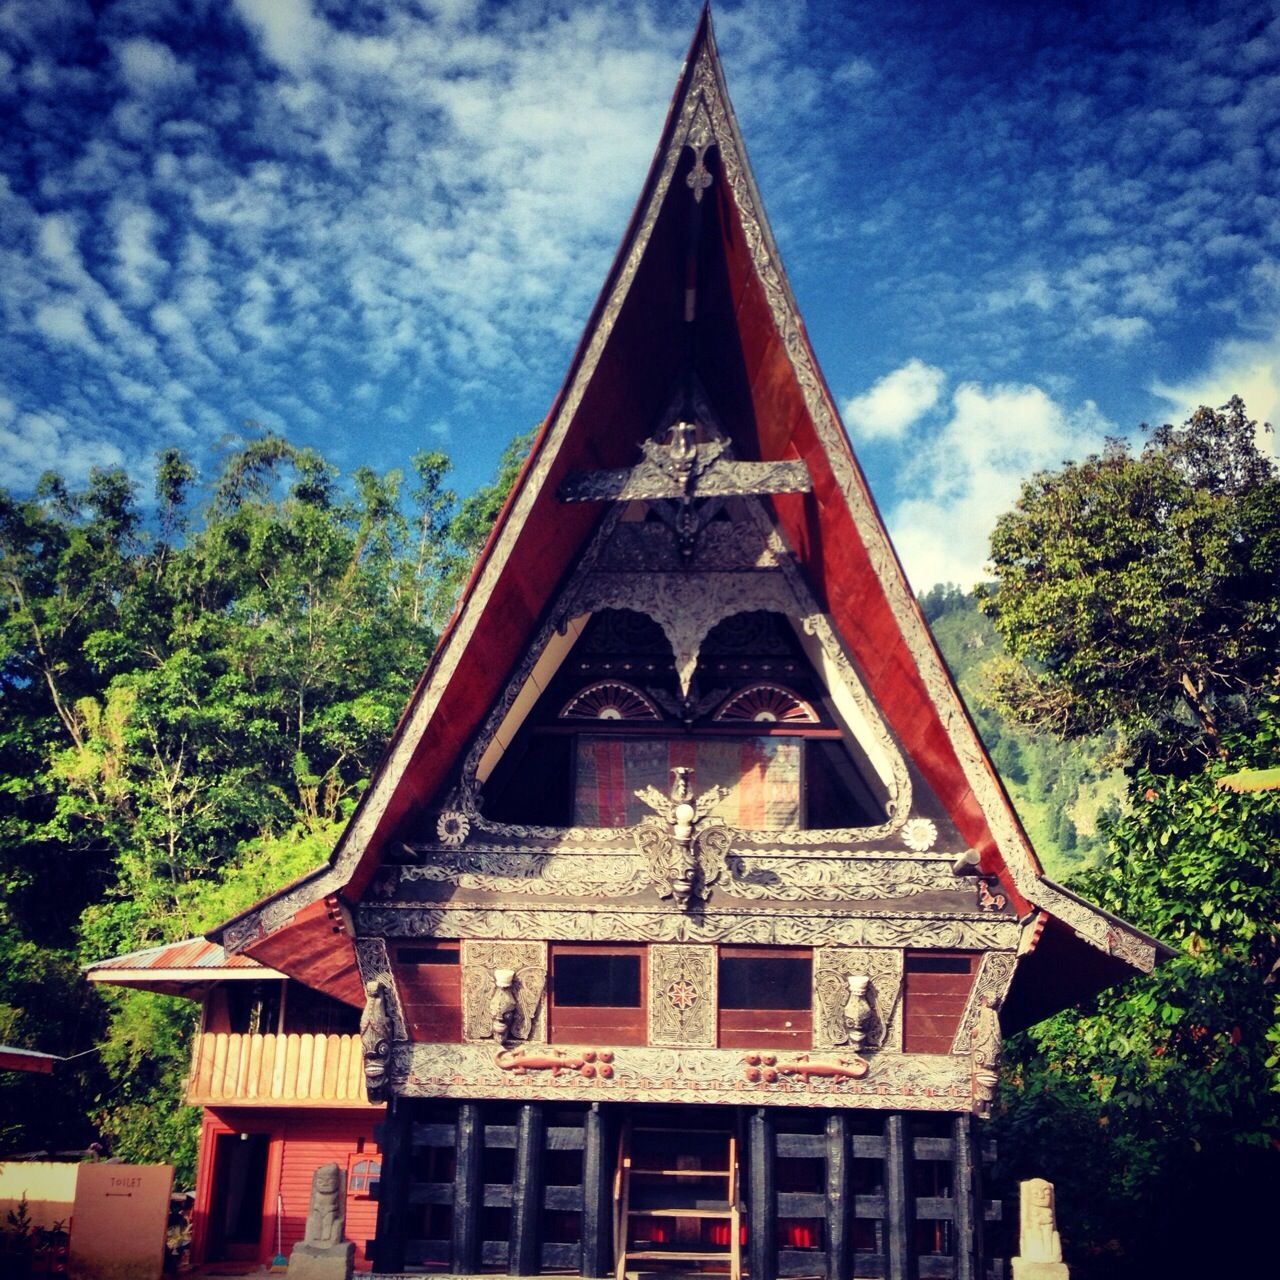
(684, 1176)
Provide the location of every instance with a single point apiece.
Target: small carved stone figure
(1039, 1245)
(323, 1254)
(325, 1215)
(376, 1035)
(986, 1049)
(858, 1011)
(504, 1009)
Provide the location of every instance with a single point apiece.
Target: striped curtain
(762, 774)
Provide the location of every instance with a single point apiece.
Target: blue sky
(1013, 229)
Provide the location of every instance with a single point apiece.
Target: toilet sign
(119, 1220)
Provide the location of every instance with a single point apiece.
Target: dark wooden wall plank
(394, 1137)
(762, 1205)
(968, 1190)
(597, 1194)
(839, 1200)
(468, 1191)
(526, 1191)
(899, 1198)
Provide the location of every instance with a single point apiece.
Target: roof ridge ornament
(699, 139)
(675, 464)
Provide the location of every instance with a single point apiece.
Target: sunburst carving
(610, 700)
(765, 704)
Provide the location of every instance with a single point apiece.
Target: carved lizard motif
(764, 1068)
(588, 1063)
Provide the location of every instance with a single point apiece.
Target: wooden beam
(762, 1201)
(468, 1191)
(597, 1194)
(899, 1196)
(967, 1188)
(839, 1199)
(393, 1137)
(526, 1192)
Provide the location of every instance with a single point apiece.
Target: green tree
(1140, 591)
(1143, 593)
(1161, 1104)
(190, 705)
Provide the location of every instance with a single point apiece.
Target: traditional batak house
(685, 911)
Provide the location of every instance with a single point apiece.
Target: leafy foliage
(191, 700)
(1146, 590)
(1064, 792)
(1139, 592)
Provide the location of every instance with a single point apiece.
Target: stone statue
(376, 1036)
(325, 1215)
(504, 1009)
(323, 1254)
(986, 1048)
(1039, 1245)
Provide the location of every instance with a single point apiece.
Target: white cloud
(1249, 369)
(148, 67)
(289, 30)
(137, 264)
(968, 473)
(32, 443)
(64, 322)
(1121, 329)
(895, 402)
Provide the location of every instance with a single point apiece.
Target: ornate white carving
(921, 1082)
(833, 967)
(610, 700)
(683, 845)
(526, 962)
(919, 834)
(995, 973)
(682, 996)
(640, 924)
(452, 827)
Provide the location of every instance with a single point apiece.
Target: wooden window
(766, 997)
(363, 1172)
(598, 995)
(429, 979)
(937, 985)
(253, 1008)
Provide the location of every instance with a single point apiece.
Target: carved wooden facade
(686, 820)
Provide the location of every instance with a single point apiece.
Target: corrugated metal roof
(189, 954)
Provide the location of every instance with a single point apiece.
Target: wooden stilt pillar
(899, 1197)
(468, 1190)
(394, 1137)
(526, 1192)
(597, 1194)
(967, 1177)
(839, 1199)
(762, 1204)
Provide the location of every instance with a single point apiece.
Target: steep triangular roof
(742, 339)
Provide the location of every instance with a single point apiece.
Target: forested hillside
(195, 684)
(1064, 792)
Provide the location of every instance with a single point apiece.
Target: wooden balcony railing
(276, 1070)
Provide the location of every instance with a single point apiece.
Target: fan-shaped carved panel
(610, 700)
(767, 703)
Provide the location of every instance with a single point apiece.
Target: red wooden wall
(301, 1140)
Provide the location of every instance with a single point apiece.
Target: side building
(686, 911)
(278, 1073)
